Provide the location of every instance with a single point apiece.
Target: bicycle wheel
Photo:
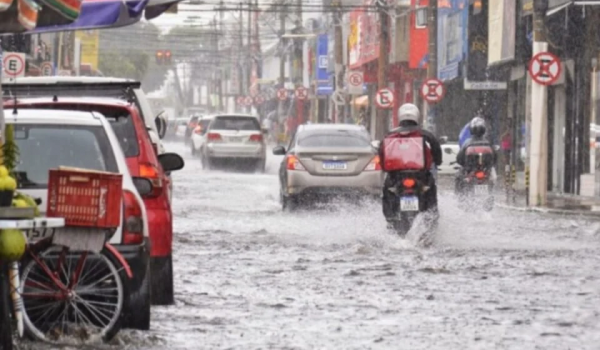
(71, 296)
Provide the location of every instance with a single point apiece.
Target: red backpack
(406, 151)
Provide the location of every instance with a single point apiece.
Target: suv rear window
(45, 147)
(125, 130)
(334, 139)
(235, 123)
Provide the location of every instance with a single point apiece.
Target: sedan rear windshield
(334, 139)
(45, 147)
(235, 123)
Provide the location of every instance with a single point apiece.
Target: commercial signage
(365, 33)
(502, 31)
(324, 86)
(452, 37)
(90, 41)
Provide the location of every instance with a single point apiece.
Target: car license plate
(335, 165)
(409, 203)
(481, 189)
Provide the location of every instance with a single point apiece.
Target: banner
(502, 31)
(364, 38)
(452, 37)
(323, 82)
(89, 47)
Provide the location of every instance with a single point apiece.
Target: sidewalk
(558, 204)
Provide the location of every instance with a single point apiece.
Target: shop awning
(362, 101)
(72, 15)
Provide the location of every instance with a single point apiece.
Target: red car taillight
(294, 164)
(256, 138)
(133, 221)
(198, 130)
(480, 175)
(213, 137)
(152, 173)
(375, 164)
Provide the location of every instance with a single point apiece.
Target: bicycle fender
(120, 259)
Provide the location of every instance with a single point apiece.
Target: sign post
(433, 90)
(355, 83)
(13, 64)
(282, 94)
(47, 69)
(384, 98)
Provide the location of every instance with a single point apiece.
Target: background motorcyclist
(477, 130)
(408, 118)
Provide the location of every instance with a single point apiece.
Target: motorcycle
(475, 187)
(410, 189)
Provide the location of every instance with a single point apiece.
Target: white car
(94, 87)
(232, 137)
(48, 139)
(199, 134)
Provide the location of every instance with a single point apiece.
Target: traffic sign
(240, 100)
(14, 64)
(301, 93)
(259, 100)
(47, 69)
(282, 94)
(355, 82)
(248, 100)
(433, 90)
(385, 98)
(545, 68)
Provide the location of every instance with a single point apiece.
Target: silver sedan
(327, 160)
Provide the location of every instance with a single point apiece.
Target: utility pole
(339, 59)
(281, 60)
(240, 67)
(381, 123)
(429, 110)
(221, 32)
(249, 53)
(538, 161)
(300, 65)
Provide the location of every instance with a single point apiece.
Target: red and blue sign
(324, 85)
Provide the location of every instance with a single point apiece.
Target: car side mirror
(143, 185)
(161, 125)
(264, 131)
(375, 144)
(496, 148)
(443, 140)
(279, 151)
(171, 162)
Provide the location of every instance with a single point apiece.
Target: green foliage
(10, 150)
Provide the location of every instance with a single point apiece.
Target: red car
(142, 161)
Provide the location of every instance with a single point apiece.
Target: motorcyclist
(477, 129)
(408, 120)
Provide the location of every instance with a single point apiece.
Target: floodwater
(249, 276)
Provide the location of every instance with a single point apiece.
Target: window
(235, 123)
(421, 17)
(334, 139)
(45, 147)
(125, 131)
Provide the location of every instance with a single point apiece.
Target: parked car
(142, 161)
(179, 126)
(232, 137)
(48, 139)
(328, 159)
(126, 89)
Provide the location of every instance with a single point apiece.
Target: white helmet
(409, 111)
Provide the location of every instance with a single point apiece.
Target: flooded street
(252, 277)
(249, 276)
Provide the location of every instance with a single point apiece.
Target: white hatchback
(48, 139)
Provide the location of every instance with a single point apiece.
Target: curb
(549, 211)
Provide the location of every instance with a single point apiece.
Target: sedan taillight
(133, 222)
(213, 137)
(256, 138)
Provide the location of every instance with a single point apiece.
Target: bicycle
(72, 294)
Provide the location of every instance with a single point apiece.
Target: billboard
(452, 45)
(324, 86)
(502, 31)
(89, 47)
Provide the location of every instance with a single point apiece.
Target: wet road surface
(249, 276)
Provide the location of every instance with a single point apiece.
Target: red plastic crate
(85, 197)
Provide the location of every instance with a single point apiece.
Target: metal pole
(281, 63)
(538, 161)
(339, 60)
(381, 123)
(429, 110)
